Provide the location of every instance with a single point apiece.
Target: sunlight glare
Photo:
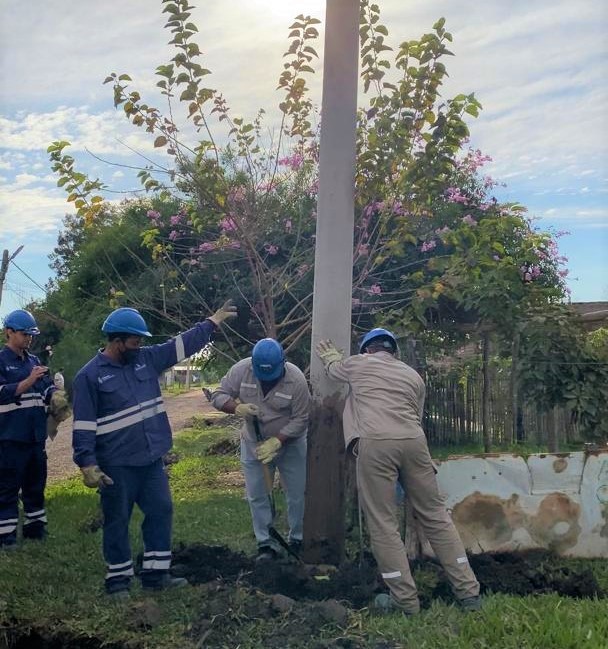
(285, 10)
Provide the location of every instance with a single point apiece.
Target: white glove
(227, 310)
(328, 352)
(247, 410)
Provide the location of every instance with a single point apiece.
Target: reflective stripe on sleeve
(85, 425)
(27, 401)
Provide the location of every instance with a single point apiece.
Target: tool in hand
(274, 533)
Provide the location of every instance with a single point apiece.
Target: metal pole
(6, 259)
(324, 522)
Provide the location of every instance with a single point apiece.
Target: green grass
(57, 587)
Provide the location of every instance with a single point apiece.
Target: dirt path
(180, 409)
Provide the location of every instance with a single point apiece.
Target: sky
(538, 68)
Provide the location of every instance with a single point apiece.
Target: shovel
(274, 533)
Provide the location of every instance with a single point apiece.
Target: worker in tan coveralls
(383, 410)
(266, 386)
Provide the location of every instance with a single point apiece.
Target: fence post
(485, 394)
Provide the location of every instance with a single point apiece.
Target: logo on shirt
(107, 377)
(139, 366)
(12, 367)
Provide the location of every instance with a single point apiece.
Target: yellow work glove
(227, 310)
(267, 451)
(59, 407)
(247, 410)
(94, 477)
(328, 352)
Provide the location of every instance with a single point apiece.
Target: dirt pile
(527, 573)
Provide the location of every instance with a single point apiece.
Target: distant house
(593, 314)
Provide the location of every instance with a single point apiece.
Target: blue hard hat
(21, 320)
(378, 332)
(125, 321)
(268, 359)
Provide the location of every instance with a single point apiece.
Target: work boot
(164, 582)
(385, 604)
(470, 604)
(265, 553)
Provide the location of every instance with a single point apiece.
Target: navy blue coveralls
(120, 424)
(22, 442)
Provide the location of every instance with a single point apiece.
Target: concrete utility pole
(6, 259)
(324, 518)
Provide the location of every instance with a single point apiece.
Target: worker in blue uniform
(26, 391)
(121, 433)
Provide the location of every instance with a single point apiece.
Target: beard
(130, 356)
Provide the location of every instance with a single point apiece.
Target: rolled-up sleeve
(230, 385)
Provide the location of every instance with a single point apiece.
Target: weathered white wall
(505, 502)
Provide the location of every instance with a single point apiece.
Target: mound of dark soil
(526, 573)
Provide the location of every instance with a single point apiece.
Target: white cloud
(29, 212)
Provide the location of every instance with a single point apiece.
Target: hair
(381, 344)
(117, 335)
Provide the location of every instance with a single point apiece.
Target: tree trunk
(485, 395)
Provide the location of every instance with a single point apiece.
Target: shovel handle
(265, 469)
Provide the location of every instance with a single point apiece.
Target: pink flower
(228, 224)
(454, 195)
(302, 270)
(207, 247)
(428, 245)
(294, 161)
(271, 249)
(235, 245)
(356, 301)
(173, 235)
(469, 220)
(175, 220)
(363, 249)
(375, 289)
(153, 215)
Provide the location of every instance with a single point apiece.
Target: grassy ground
(56, 588)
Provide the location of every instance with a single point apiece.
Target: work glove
(59, 407)
(267, 451)
(227, 310)
(328, 352)
(94, 477)
(247, 410)
(59, 410)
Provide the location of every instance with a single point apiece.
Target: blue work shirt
(119, 414)
(23, 416)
